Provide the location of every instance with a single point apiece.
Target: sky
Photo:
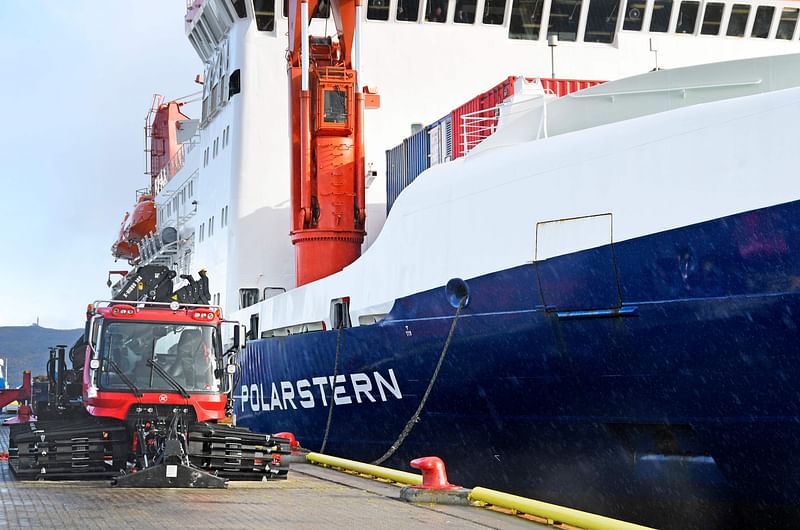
(78, 78)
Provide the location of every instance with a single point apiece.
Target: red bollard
(434, 475)
(293, 443)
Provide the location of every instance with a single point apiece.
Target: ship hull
(667, 368)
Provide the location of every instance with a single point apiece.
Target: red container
(497, 95)
(563, 87)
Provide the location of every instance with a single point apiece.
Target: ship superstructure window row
(596, 21)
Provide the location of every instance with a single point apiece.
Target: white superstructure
(230, 197)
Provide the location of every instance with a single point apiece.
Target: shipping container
(396, 169)
(440, 141)
(416, 154)
(404, 163)
(450, 137)
(563, 87)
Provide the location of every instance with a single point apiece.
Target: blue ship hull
(657, 370)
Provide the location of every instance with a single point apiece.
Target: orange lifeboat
(134, 228)
(122, 248)
(143, 220)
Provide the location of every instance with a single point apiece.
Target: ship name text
(360, 387)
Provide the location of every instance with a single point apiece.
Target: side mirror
(239, 336)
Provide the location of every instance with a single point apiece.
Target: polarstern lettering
(317, 391)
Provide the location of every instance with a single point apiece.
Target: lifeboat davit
(134, 228)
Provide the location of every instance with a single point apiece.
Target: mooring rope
(333, 388)
(415, 418)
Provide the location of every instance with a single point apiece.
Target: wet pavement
(312, 497)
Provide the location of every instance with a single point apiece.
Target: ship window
(687, 17)
(526, 19)
(763, 21)
(234, 86)
(662, 10)
(202, 233)
(323, 9)
(212, 26)
(253, 332)
(436, 11)
(787, 24)
(601, 21)
(265, 14)
(633, 15)
(247, 297)
(712, 19)
(211, 226)
(408, 10)
(335, 106)
(494, 12)
(465, 12)
(564, 19)
(191, 188)
(738, 20)
(378, 9)
(340, 313)
(241, 10)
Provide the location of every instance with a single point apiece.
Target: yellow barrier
(553, 512)
(394, 475)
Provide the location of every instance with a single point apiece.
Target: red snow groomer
(147, 397)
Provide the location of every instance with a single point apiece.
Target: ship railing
(172, 167)
(479, 125)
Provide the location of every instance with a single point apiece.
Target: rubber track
(237, 453)
(74, 449)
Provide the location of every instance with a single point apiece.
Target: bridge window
(601, 21)
(634, 12)
(526, 19)
(662, 10)
(712, 19)
(494, 11)
(247, 296)
(787, 24)
(436, 11)
(738, 20)
(687, 17)
(265, 14)
(564, 19)
(238, 6)
(378, 9)
(465, 12)
(408, 10)
(763, 21)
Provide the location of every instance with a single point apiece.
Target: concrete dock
(312, 497)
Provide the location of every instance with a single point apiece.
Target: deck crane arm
(327, 140)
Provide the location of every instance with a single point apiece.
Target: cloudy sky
(78, 78)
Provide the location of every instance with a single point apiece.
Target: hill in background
(25, 347)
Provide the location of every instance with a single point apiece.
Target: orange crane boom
(327, 140)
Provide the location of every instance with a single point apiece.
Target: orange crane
(327, 101)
